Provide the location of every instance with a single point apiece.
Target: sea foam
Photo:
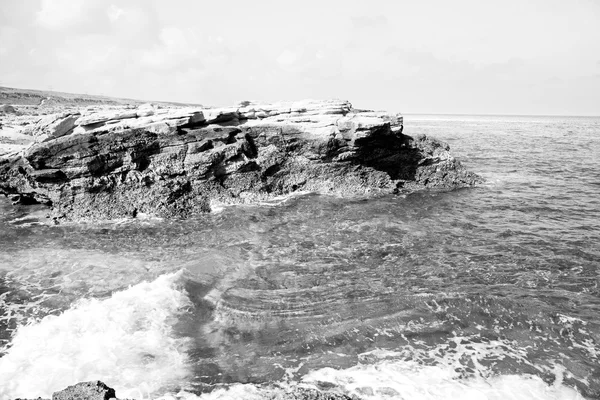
(402, 380)
(126, 340)
(385, 374)
(409, 380)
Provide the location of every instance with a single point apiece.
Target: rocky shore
(107, 162)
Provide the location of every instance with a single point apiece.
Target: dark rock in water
(182, 161)
(95, 390)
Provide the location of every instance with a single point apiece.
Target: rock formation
(178, 161)
(97, 390)
(94, 390)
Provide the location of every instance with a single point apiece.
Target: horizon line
(503, 115)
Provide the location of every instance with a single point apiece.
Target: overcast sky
(426, 56)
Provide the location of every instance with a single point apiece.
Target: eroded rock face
(175, 162)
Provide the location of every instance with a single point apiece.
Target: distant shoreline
(13, 96)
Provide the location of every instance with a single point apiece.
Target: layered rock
(175, 162)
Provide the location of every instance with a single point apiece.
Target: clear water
(482, 293)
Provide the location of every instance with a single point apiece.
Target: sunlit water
(483, 293)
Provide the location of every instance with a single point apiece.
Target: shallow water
(489, 292)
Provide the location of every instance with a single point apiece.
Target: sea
(489, 292)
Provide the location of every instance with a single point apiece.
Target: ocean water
(481, 293)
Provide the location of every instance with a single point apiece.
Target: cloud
(287, 58)
(175, 47)
(554, 80)
(309, 63)
(60, 14)
(133, 25)
(93, 16)
(114, 13)
(9, 38)
(512, 64)
(366, 22)
(15, 14)
(412, 56)
(88, 54)
(13, 46)
(430, 67)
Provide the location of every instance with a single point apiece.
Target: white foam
(218, 207)
(409, 380)
(126, 340)
(404, 374)
(403, 380)
(385, 374)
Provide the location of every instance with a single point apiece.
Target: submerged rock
(175, 162)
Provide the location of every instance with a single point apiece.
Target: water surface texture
(482, 293)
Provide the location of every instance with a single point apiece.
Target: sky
(534, 57)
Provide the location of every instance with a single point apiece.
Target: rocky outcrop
(175, 162)
(94, 390)
(97, 390)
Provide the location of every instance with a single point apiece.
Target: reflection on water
(490, 282)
